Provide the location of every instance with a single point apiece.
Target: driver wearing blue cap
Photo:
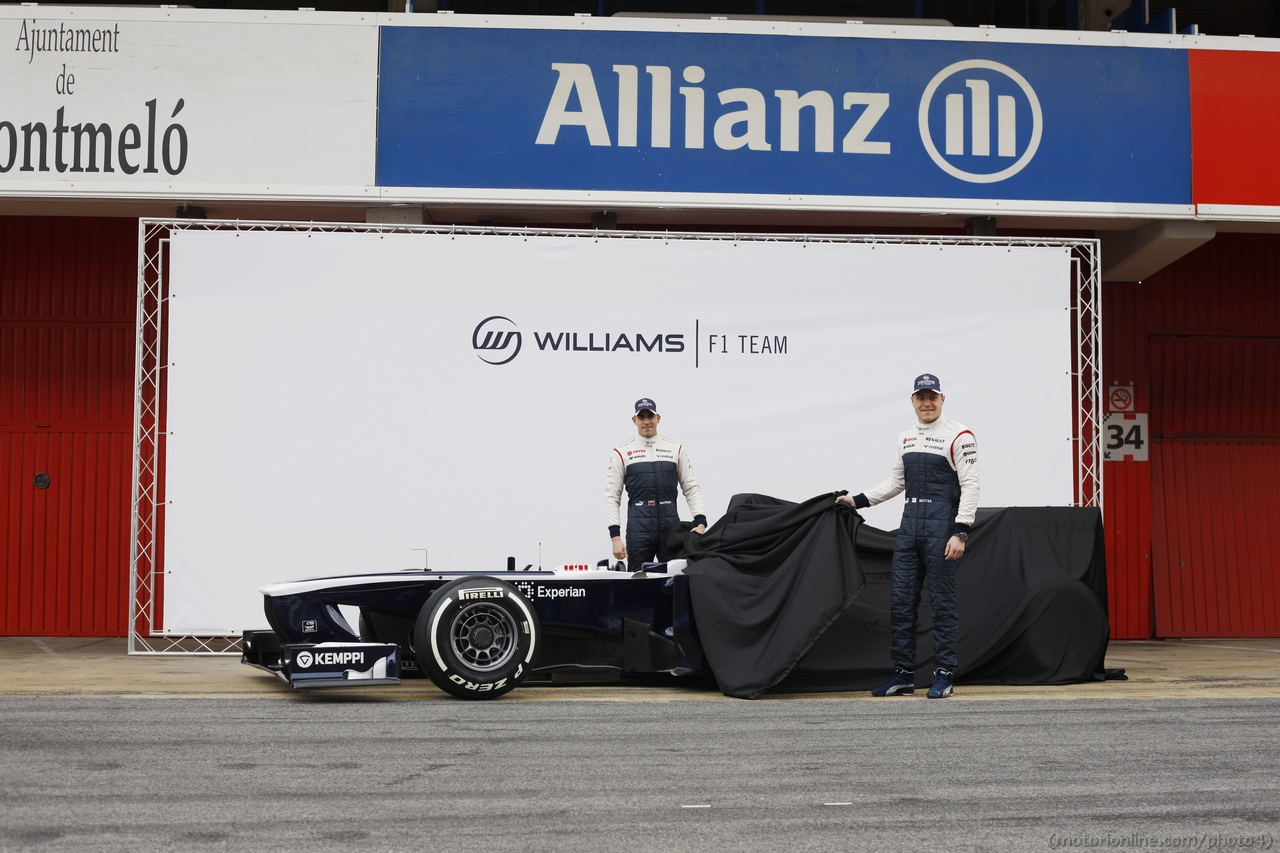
(651, 468)
(937, 466)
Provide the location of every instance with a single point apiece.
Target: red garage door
(1215, 494)
(66, 408)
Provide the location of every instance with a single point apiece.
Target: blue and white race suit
(651, 469)
(937, 466)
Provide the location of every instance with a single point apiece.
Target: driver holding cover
(650, 466)
(937, 466)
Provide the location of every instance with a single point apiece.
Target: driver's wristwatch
(963, 537)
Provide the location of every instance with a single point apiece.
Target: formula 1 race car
(478, 635)
(790, 597)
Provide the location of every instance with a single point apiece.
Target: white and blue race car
(477, 635)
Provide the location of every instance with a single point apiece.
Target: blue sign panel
(645, 112)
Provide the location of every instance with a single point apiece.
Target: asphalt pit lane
(31, 836)
(206, 836)
(345, 835)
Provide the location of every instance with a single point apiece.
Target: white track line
(1175, 645)
(1236, 648)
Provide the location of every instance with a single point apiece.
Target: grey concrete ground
(323, 773)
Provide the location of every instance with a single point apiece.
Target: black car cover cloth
(766, 581)
(795, 598)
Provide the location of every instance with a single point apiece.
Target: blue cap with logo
(927, 382)
(645, 404)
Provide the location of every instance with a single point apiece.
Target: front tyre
(477, 637)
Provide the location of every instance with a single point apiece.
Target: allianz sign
(619, 117)
(979, 143)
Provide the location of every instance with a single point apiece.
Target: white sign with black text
(115, 102)
(1126, 437)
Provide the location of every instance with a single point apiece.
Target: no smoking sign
(1120, 398)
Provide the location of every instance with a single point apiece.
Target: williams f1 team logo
(986, 116)
(496, 340)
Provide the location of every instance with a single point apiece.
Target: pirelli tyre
(477, 637)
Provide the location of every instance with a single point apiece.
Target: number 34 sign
(1125, 437)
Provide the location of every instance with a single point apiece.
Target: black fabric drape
(795, 597)
(766, 581)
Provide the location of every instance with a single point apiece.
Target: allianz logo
(958, 102)
(955, 109)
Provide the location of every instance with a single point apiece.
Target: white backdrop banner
(337, 400)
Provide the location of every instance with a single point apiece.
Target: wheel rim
(484, 636)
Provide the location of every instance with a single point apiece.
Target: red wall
(1127, 485)
(67, 290)
(1189, 533)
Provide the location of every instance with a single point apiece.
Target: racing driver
(937, 465)
(650, 466)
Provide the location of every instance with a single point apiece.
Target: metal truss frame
(146, 586)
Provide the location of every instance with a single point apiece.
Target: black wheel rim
(484, 636)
